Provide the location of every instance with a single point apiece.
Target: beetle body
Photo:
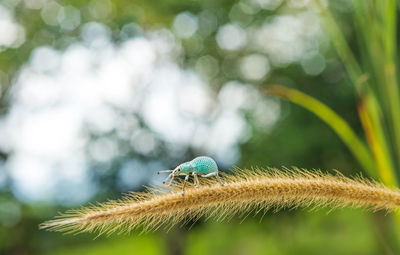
(201, 166)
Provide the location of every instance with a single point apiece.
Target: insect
(201, 166)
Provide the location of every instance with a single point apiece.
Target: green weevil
(201, 166)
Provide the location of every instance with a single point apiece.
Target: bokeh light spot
(185, 25)
(12, 34)
(313, 65)
(231, 37)
(254, 67)
(50, 13)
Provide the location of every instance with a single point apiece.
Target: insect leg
(184, 185)
(196, 180)
(210, 174)
(172, 178)
(219, 180)
(214, 174)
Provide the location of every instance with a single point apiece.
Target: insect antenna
(172, 177)
(165, 171)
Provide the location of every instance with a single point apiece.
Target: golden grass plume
(247, 191)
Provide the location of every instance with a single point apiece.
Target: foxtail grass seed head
(247, 191)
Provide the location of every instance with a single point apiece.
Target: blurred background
(96, 96)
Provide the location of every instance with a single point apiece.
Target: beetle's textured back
(204, 165)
